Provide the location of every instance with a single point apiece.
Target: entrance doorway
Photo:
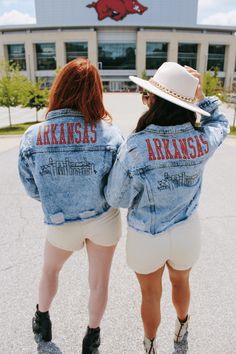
(117, 86)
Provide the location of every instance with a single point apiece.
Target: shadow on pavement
(46, 347)
(182, 347)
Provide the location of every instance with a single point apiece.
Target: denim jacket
(64, 162)
(158, 171)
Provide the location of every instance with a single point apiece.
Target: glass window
(131, 86)
(75, 50)
(216, 57)
(120, 86)
(46, 81)
(115, 56)
(105, 85)
(187, 54)
(221, 81)
(16, 55)
(46, 56)
(156, 54)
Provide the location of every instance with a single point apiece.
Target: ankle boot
(41, 325)
(181, 328)
(150, 345)
(91, 341)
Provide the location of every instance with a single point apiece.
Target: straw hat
(173, 83)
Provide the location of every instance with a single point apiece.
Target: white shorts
(105, 230)
(179, 246)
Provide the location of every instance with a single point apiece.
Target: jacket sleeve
(120, 190)
(27, 178)
(216, 127)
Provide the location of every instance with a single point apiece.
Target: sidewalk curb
(10, 136)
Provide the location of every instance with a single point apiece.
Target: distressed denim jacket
(158, 171)
(64, 162)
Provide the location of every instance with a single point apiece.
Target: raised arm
(216, 127)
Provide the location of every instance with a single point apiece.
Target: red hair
(78, 86)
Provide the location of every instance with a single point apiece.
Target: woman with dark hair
(64, 163)
(158, 177)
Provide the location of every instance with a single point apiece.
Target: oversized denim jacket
(158, 171)
(64, 163)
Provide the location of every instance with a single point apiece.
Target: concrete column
(230, 55)
(30, 57)
(3, 52)
(173, 50)
(93, 48)
(60, 53)
(202, 57)
(140, 53)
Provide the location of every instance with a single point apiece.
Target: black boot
(91, 341)
(41, 325)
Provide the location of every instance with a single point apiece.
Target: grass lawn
(16, 129)
(232, 130)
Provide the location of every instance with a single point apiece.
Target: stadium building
(121, 37)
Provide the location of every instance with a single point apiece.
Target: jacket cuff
(209, 104)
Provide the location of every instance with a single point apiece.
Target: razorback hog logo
(117, 9)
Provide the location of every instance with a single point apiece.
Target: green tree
(144, 75)
(12, 85)
(211, 83)
(57, 70)
(229, 97)
(212, 86)
(35, 96)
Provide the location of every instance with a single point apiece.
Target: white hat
(173, 83)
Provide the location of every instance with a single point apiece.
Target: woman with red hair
(64, 163)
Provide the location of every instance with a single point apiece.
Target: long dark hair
(165, 113)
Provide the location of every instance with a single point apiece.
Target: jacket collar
(64, 112)
(181, 128)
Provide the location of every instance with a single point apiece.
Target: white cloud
(15, 17)
(205, 4)
(9, 2)
(221, 18)
(216, 5)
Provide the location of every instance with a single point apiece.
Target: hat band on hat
(170, 92)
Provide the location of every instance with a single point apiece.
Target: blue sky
(215, 12)
(25, 6)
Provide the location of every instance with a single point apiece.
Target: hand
(199, 95)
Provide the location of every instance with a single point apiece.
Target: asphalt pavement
(213, 280)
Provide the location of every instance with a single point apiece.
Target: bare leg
(180, 291)
(100, 259)
(151, 288)
(54, 259)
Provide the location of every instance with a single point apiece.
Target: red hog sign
(117, 9)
